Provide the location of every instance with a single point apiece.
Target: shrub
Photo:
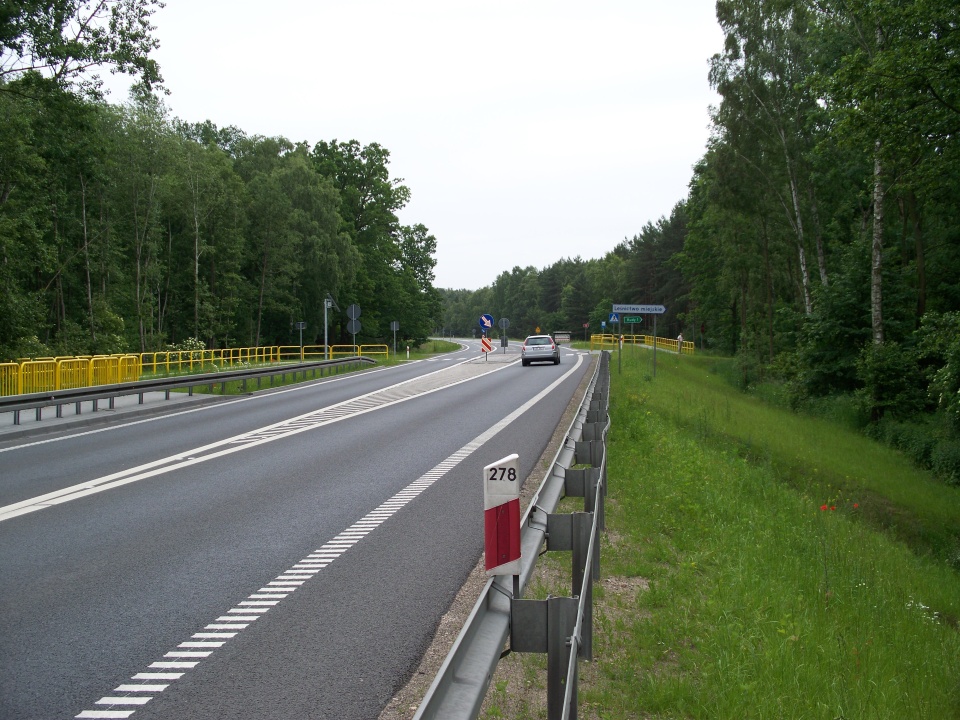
(940, 345)
(915, 440)
(193, 345)
(892, 382)
(945, 461)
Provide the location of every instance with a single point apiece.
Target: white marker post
(501, 517)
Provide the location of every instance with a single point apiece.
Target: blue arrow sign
(486, 321)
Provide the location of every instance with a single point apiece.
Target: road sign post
(395, 325)
(501, 517)
(486, 346)
(644, 310)
(353, 324)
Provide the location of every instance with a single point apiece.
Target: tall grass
(818, 456)
(776, 582)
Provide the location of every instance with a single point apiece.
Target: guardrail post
(583, 482)
(545, 626)
(571, 531)
(593, 430)
(588, 452)
(561, 620)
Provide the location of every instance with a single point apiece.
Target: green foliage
(916, 441)
(123, 231)
(64, 38)
(891, 380)
(940, 347)
(945, 461)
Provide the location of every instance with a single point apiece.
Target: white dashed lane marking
(247, 611)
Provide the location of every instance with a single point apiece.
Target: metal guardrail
(58, 398)
(561, 627)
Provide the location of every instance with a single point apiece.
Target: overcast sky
(527, 131)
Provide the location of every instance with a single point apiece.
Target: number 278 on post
(502, 474)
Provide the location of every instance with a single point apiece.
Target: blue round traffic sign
(486, 322)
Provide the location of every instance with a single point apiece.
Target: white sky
(527, 131)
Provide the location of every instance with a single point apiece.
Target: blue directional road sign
(486, 322)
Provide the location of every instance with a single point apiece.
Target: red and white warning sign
(485, 344)
(501, 516)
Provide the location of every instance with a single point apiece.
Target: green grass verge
(760, 564)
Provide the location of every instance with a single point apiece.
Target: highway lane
(99, 589)
(37, 467)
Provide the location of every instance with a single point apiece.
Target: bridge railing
(610, 341)
(15, 404)
(64, 373)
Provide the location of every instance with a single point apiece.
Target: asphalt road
(284, 554)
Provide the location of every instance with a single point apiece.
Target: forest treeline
(819, 242)
(123, 229)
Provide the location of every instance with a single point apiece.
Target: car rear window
(539, 341)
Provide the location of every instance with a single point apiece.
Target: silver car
(539, 348)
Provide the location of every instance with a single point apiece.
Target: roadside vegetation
(757, 564)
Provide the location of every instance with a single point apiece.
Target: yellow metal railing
(63, 373)
(602, 342)
(38, 375)
(10, 378)
(73, 373)
(609, 342)
(368, 350)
